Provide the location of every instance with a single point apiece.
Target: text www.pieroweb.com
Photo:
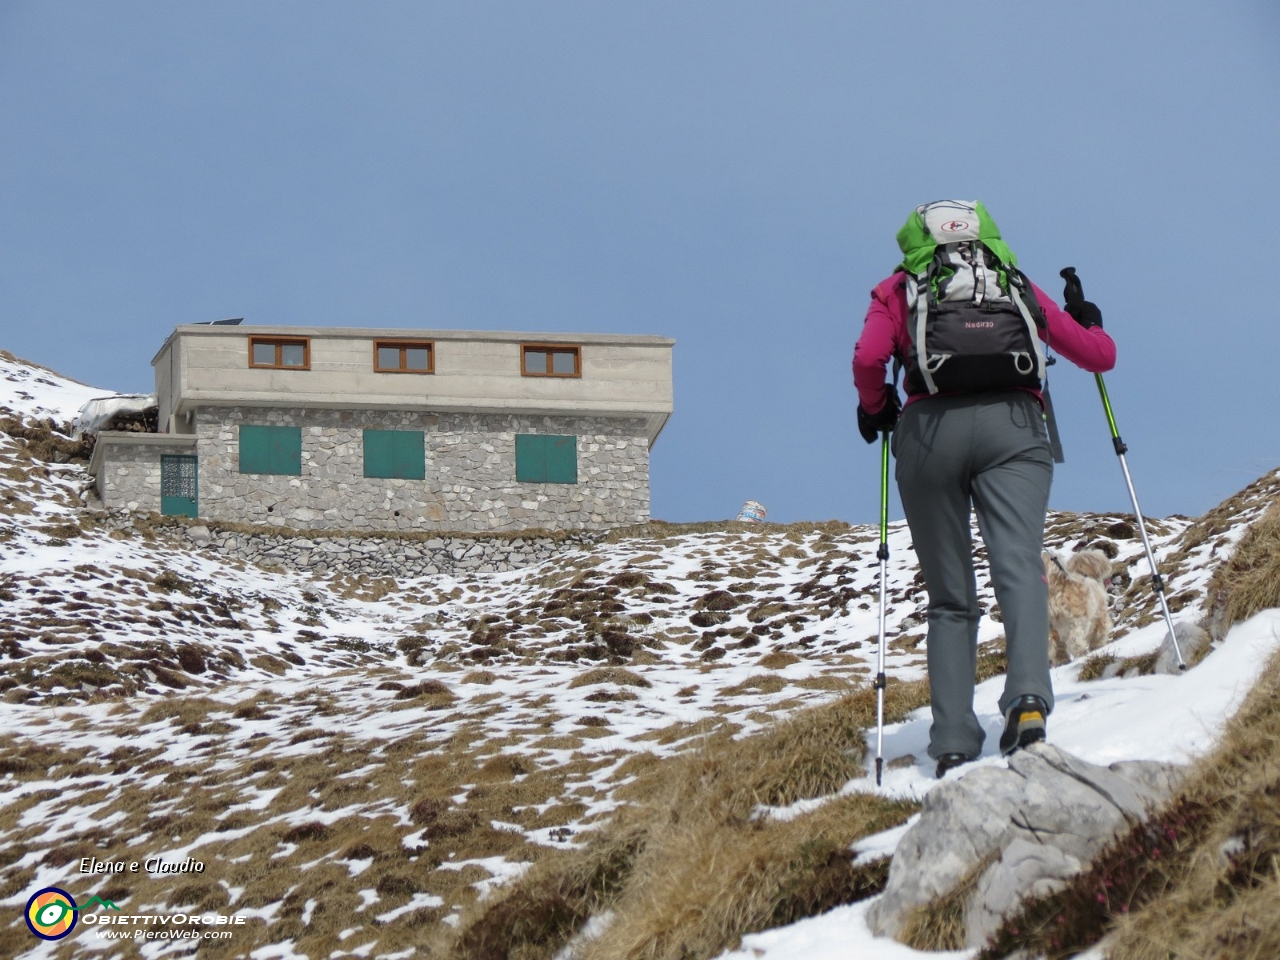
(180, 934)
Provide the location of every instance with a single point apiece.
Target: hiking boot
(1024, 723)
(949, 761)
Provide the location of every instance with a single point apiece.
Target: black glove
(1085, 313)
(1082, 311)
(870, 424)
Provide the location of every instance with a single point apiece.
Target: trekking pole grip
(1073, 292)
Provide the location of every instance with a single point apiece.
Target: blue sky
(728, 174)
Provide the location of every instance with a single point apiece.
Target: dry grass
(1199, 879)
(778, 660)
(159, 804)
(991, 660)
(758, 683)
(1250, 580)
(1101, 665)
(699, 885)
(44, 440)
(533, 917)
(688, 864)
(618, 675)
(939, 924)
(1226, 515)
(1226, 900)
(691, 865)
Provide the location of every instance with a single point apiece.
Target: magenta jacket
(884, 336)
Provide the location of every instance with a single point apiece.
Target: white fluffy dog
(1079, 614)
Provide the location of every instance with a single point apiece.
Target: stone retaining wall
(370, 556)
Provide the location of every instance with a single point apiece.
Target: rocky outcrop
(1025, 830)
(1193, 642)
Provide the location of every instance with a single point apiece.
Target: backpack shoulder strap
(918, 293)
(1024, 299)
(1020, 292)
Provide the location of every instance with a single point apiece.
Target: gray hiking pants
(988, 450)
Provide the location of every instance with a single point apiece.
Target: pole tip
(1182, 667)
(879, 769)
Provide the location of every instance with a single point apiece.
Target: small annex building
(359, 429)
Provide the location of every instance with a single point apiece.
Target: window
(550, 360)
(271, 450)
(395, 454)
(404, 356)
(280, 353)
(546, 459)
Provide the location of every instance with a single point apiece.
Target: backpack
(972, 316)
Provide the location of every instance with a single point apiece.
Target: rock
(199, 534)
(1026, 870)
(1038, 821)
(1192, 641)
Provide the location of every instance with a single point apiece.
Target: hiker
(972, 434)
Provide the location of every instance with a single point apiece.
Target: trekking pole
(883, 555)
(1074, 291)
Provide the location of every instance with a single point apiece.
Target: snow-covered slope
(35, 392)
(298, 735)
(1167, 718)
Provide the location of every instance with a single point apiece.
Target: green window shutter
(378, 454)
(546, 459)
(255, 449)
(271, 450)
(409, 457)
(286, 451)
(395, 454)
(531, 458)
(562, 459)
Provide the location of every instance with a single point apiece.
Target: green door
(178, 486)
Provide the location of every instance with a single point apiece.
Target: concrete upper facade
(203, 365)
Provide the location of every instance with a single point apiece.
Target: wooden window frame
(550, 348)
(403, 345)
(278, 343)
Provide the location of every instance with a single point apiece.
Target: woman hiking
(967, 326)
